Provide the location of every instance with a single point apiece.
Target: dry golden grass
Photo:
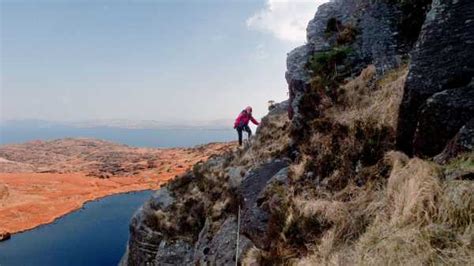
(415, 219)
(412, 192)
(253, 257)
(296, 171)
(376, 104)
(424, 221)
(348, 213)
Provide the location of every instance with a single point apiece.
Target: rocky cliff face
(326, 187)
(438, 97)
(194, 219)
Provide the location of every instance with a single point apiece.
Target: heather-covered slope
(43, 180)
(328, 186)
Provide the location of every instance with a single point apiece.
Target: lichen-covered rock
(235, 176)
(161, 199)
(144, 241)
(219, 249)
(174, 253)
(443, 59)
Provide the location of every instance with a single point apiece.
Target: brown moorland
(43, 180)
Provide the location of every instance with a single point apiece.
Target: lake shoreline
(74, 206)
(42, 181)
(55, 219)
(100, 227)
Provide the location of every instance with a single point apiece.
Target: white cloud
(286, 19)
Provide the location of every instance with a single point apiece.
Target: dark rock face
(254, 218)
(378, 42)
(442, 60)
(220, 248)
(461, 143)
(441, 118)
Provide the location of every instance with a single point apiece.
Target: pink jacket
(244, 118)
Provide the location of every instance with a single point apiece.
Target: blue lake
(94, 235)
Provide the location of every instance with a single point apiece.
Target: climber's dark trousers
(243, 128)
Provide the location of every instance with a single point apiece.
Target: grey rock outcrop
(443, 60)
(281, 177)
(219, 249)
(376, 42)
(235, 176)
(441, 117)
(161, 199)
(462, 142)
(174, 253)
(144, 242)
(254, 217)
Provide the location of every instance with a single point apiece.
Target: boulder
(441, 117)
(4, 236)
(161, 199)
(235, 176)
(442, 60)
(280, 178)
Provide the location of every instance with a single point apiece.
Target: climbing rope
(237, 242)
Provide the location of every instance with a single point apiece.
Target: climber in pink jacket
(242, 123)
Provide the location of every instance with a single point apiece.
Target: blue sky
(140, 60)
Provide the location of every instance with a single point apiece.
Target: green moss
(464, 162)
(325, 62)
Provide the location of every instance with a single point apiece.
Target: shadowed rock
(220, 248)
(441, 118)
(443, 59)
(461, 143)
(254, 219)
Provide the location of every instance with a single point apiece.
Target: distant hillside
(97, 157)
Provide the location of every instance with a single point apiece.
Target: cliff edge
(329, 177)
